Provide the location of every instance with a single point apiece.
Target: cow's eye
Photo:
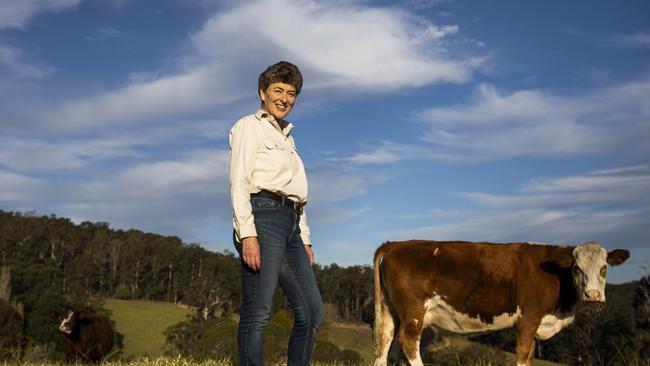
(576, 270)
(603, 271)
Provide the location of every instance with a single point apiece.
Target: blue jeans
(284, 261)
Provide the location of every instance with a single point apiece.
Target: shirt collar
(262, 114)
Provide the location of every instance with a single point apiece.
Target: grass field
(356, 337)
(142, 323)
(162, 361)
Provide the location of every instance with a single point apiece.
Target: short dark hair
(281, 72)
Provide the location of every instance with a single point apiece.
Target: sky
(420, 119)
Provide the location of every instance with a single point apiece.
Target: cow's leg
(410, 331)
(526, 341)
(384, 332)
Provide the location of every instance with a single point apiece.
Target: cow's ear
(617, 256)
(564, 258)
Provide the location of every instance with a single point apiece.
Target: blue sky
(432, 119)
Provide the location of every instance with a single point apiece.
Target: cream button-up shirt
(263, 156)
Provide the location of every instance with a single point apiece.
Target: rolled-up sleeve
(243, 149)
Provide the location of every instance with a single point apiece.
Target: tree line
(49, 263)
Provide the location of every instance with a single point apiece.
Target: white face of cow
(66, 323)
(589, 270)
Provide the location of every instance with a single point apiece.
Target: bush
(328, 352)
(8, 328)
(217, 339)
(122, 292)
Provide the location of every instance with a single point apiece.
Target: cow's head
(67, 321)
(588, 263)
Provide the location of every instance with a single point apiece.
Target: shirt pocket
(273, 145)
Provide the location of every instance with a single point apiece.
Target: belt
(297, 207)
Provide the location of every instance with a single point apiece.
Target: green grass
(357, 337)
(142, 323)
(161, 361)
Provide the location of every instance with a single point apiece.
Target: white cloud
(177, 196)
(338, 43)
(612, 207)
(40, 156)
(73, 154)
(639, 39)
(628, 187)
(15, 189)
(167, 196)
(633, 179)
(425, 4)
(104, 33)
(530, 122)
(142, 103)
(11, 59)
(16, 13)
(342, 46)
(496, 125)
(387, 152)
(331, 184)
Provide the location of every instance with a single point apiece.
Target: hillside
(142, 323)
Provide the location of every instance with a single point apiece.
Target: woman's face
(278, 99)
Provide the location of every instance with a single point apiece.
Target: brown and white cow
(466, 287)
(84, 336)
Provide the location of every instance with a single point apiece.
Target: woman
(269, 192)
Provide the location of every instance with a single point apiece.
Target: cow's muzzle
(593, 296)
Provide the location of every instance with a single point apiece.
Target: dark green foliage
(347, 288)
(56, 264)
(201, 339)
(122, 292)
(613, 336)
(328, 352)
(608, 337)
(641, 303)
(10, 325)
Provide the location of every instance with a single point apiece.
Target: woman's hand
(310, 254)
(251, 253)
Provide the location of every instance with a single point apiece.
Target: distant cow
(468, 287)
(84, 336)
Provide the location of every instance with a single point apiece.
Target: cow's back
(480, 280)
(95, 336)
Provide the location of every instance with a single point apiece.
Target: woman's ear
(262, 96)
